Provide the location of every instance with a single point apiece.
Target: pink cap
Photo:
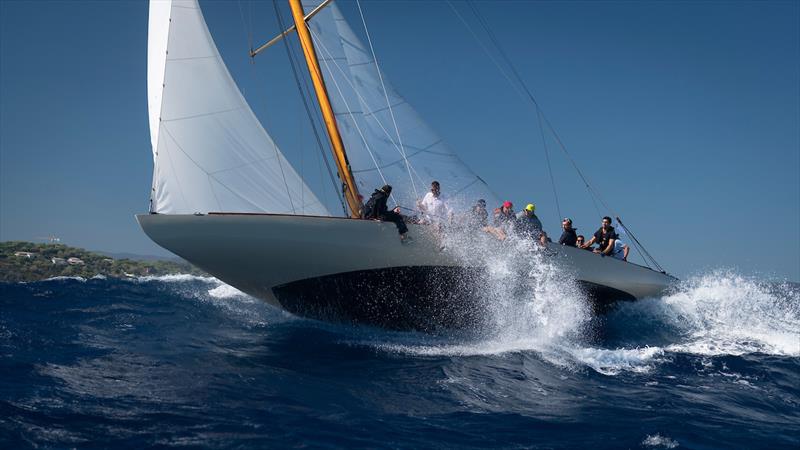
(507, 204)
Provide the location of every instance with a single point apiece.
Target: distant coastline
(29, 261)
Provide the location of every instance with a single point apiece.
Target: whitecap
(175, 278)
(723, 313)
(657, 440)
(62, 278)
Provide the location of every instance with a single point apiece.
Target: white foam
(533, 305)
(613, 362)
(536, 307)
(224, 291)
(81, 279)
(725, 313)
(657, 440)
(176, 278)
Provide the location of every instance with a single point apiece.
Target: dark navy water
(185, 361)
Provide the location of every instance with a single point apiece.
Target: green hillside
(41, 264)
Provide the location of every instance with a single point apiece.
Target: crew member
(604, 237)
(478, 216)
(504, 220)
(568, 236)
(376, 209)
(434, 207)
(529, 225)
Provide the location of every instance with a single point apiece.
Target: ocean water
(185, 361)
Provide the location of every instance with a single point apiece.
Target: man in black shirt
(604, 237)
(568, 237)
(376, 209)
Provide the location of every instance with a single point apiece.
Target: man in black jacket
(568, 237)
(376, 209)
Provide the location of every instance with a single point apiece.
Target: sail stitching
(244, 164)
(172, 164)
(418, 151)
(389, 107)
(212, 113)
(209, 175)
(189, 58)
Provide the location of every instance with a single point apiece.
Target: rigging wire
(292, 63)
(593, 193)
(388, 104)
(549, 167)
(350, 112)
(361, 99)
(247, 26)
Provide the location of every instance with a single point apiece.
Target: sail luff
(337, 146)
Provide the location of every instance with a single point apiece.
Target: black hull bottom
(425, 299)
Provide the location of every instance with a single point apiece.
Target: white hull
(287, 259)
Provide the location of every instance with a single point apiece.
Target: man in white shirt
(434, 207)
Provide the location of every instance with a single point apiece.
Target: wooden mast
(339, 155)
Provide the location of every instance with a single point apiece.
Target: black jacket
(569, 237)
(376, 205)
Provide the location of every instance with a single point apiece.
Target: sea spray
(529, 300)
(726, 313)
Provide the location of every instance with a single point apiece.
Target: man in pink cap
(504, 219)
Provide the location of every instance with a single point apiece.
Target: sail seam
(212, 113)
(188, 58)
(172, 164)
(211, 186)
(373, 112)
(417, 152)
(244, 164)
(239, 196)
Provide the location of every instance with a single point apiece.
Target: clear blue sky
(685, 115)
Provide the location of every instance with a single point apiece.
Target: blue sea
(183, 361)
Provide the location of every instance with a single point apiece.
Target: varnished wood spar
(277, 38)
(337, 146)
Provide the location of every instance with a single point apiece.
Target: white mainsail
(386, 140)
(210, 151)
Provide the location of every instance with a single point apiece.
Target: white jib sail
(386, 141)
(210, 151)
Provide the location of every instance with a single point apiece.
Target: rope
(388, 104)
(307, 108)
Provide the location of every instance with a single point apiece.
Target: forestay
(409, 155)
(210, 151)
